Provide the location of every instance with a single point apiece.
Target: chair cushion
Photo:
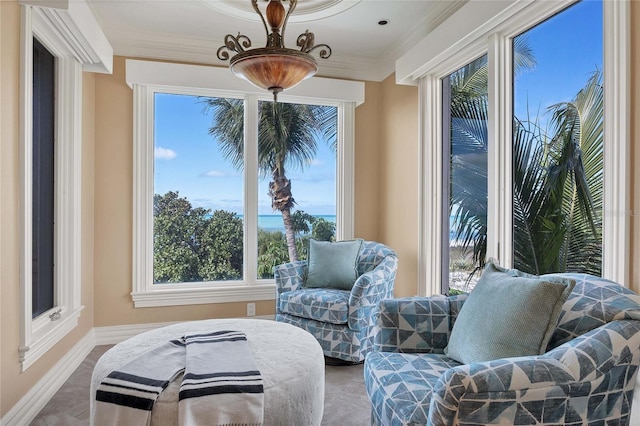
(320, 304)
(333, 264)
(508, 314)
(400, 385)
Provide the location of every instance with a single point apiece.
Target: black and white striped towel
(221, 386)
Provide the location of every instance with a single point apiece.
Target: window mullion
(251, 189)
(430, 187)
(345, 178)
(616, 203)
(500, 152)
(143, 189)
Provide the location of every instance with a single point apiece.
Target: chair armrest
(414, 325)
(289, 276)
(598, 350)
(368, 290)
(569, 370)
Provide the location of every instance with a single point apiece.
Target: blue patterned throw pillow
(333, 264)
(508, 314)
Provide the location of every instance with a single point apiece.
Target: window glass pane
(198, 189)
(297, 181)
(43, 195)
(465, 147)
(558, 143)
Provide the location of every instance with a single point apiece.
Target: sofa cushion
(508, 314)
(400, 385)
(322, 304)
(333, 264)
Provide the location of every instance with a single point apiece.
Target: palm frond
(227, 127)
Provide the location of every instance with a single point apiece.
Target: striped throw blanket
(221, 386)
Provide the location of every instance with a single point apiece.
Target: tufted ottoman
(290, 360)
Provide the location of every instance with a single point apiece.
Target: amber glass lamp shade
(274, 69)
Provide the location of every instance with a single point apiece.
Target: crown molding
(74, 23)
(163, 46)
(421, 30)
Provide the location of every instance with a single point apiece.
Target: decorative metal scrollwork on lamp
(273, 67)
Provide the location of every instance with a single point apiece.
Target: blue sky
(187, 159)
(568, 49)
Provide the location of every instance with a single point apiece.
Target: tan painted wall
(367, 164)
(13, 384)
(399, 180)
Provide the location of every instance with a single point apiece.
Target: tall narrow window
(558, 143)
(198, 206)
(50, 179)
(297, 181)
(43, 291)
(465, 145)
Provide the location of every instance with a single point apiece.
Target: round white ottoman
(290, 361)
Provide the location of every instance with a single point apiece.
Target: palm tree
(557, 199)
(558, 188)
(287, 139)
(557, 209)
(469, 144)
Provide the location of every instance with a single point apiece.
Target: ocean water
(273, 222)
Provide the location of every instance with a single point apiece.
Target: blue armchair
(342, 321)
(586, 376)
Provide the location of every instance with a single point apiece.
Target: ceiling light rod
(273, 67)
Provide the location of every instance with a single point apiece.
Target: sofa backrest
(593, 302)
(371, 254)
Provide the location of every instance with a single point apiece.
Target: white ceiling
(192, 30)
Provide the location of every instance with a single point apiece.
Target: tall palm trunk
(282, 200)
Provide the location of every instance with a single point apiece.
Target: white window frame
(147, 78)
(487, 28)
(38, 335)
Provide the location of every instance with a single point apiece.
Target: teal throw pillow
(508, 314)
(333, 264)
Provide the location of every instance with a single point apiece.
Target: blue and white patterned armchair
(587, 375)
(342, 321)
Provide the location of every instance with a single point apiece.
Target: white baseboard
(119, 333)
(28, 407)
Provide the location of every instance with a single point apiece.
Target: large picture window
(230, 184)
(558, 143)
(556, 156)
(198, 202)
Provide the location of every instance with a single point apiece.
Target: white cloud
(215, 173)
(164, 153)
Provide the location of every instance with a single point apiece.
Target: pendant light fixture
(273, 67)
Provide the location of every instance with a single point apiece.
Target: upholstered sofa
(341, 320)
(587, 375)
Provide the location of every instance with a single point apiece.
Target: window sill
(204, 295)
(47, 336)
